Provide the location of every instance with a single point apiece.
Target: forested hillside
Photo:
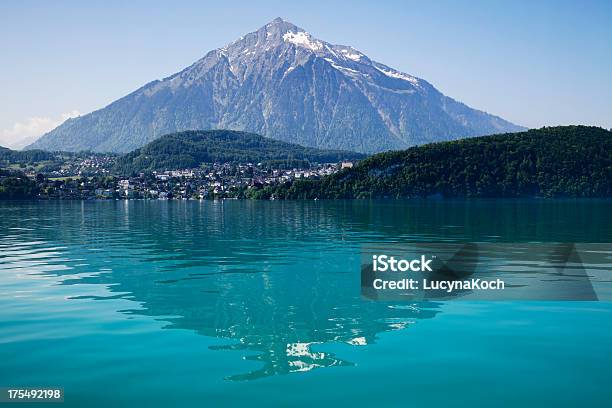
(566, 161)
(8, 156)
(189, 149)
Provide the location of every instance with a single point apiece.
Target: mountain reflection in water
(278, 279)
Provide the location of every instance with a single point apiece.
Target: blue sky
(534, 63)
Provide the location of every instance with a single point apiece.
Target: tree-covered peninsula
(564, 161)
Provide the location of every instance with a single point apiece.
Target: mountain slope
(282, 82)
(566, 161)
(189, 149)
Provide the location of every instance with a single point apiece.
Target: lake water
(130, 303)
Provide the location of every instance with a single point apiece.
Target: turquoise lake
(252, 303)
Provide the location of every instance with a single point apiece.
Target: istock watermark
(384, 263)
(487, 271)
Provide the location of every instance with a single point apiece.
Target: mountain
(189, 149)
(19, 144)
(566, 161)
(282, 82)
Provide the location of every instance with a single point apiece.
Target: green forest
(190, 149)
(15, 185)
(565, 161)
(8, 156)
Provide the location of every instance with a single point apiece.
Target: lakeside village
(92, 179)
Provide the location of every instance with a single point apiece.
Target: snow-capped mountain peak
(282, 82)
(275, 36)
